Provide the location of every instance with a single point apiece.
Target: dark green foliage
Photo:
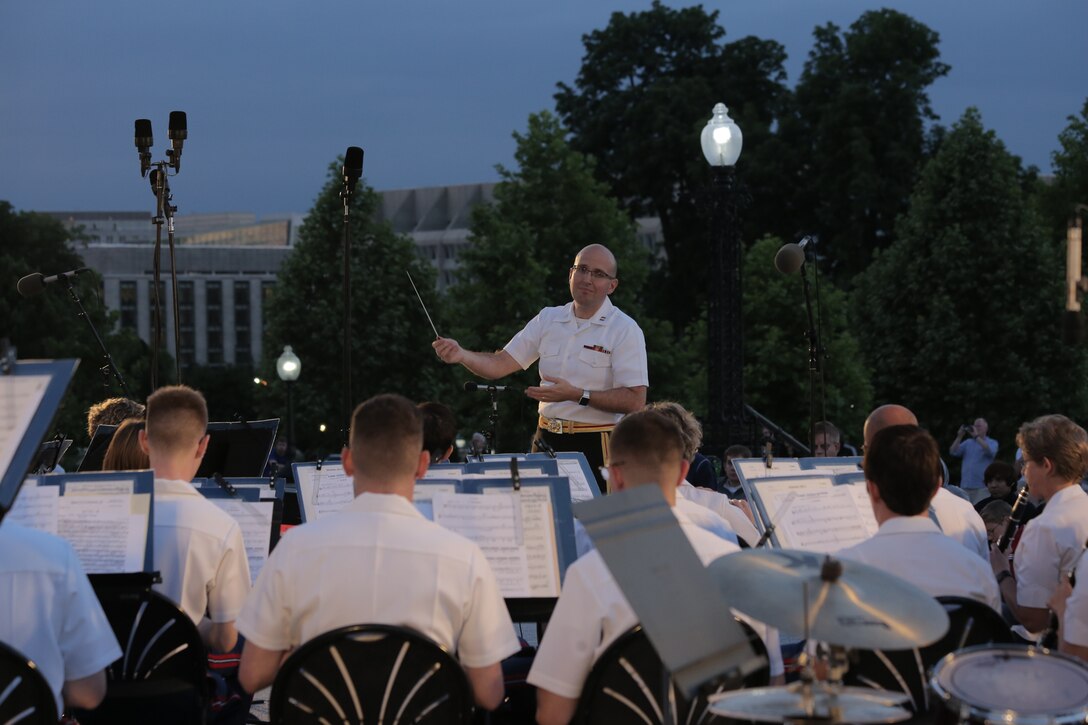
(776, 349)
(390, 337)
(960, 316)
(1069, 187)
(858, 136)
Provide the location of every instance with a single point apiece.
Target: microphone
(791, 257)
(35, 282)
(144, 142)
(153, 177)
(178, 133)
(473, 387)
(353, 167)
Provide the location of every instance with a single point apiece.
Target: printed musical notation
(325, 491)
(755, 468)
(821, 517)
(36, 508)
(20, 397)
(108, 531)
(255, 520)
(580, 489)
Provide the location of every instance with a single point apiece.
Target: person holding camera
(977, 451)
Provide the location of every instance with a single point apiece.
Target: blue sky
(431, 89)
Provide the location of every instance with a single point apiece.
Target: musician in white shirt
(902, 474)
(379, 561)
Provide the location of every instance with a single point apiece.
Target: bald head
(885, 416)
(601, 255)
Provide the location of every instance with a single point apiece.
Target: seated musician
(1070, 607)
(439, 430)
(646, 450)
(51, 616)
(902, 475)
(111, 412)
(379, 561)
(1055, 457)
(198, 548)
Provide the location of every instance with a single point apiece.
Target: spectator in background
(826, 439)
(111, 412)
(439, 430)
(124, 452)
(280, 459)
(731, 485)
(1000, 479)
(977, 451)
(994, 515)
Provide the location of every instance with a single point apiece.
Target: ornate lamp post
(288, 367)
(721, 142)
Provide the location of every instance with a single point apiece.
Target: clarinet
(1016, 519)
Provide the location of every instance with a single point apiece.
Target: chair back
(970, 622)
(628, 685)
(373, 674)
(161, 674)
(25, 696)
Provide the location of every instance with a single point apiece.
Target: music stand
(49, 455)
(238, 449)
(96, 449)
(30, 395)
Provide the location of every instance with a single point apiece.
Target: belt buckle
(554, 426)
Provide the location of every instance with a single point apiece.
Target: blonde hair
(1061, 440)
(124, 452)
(111, 412)
(691, 431)
(177, 418)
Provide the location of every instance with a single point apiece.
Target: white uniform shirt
(608, 352)
(720, 504)
(914, 549)
(702, 517)
(1075, 623)
(959, 521)
(379, 561)
(592, 613)
(199, 552)
(48, 611)
(1050, 545)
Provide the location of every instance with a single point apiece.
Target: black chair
(970, 622)
(625, 686)
(373, 674)
(161, 675)
(25, 696)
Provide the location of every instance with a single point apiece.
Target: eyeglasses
(594, 273)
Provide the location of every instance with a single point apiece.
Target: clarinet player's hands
(999, 560)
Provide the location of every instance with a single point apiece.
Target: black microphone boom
(35, 282)
(353, 167)
(473, 387)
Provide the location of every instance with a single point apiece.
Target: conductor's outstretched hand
(448, 350)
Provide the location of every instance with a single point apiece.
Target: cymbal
(783, 704)
(849, 604)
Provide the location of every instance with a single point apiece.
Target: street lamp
(288, 367)
(721, 143)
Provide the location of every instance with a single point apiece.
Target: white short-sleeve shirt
(1050, 545)
(199, 552)
(48, 611)
(959, 521)
(1075, 623)
(608, 352)
(914, 549)
(720, 504)
(379, 561)
(592, 613)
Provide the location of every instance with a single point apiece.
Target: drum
(1009, 683)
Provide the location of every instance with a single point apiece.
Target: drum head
(1022, 680)
(781, 704)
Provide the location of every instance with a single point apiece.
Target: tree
(960, 315)
(646, 87)
(858, 137)
(390, 338)
(776, 352)
(1069, 187)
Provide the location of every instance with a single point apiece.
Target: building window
(213, 292)
(128, 305)
(186, 324)
(243, 351)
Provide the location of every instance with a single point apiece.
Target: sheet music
(525, 469)
(108, 531)
(752, 468)
(580, 489)
(443, 471)
(255, 520)
(835, 469)
(423, 494)
(36, 508)
(324, 491)
(538, 527)
(865, 506)
(822, 517)
(20, 397)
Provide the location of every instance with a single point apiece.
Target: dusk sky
(275, 90)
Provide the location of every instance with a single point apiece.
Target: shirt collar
(386, 503)
(908, 525)
(1067, 494)
(603, 315)
(175, 487)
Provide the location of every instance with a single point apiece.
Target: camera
(968, 429)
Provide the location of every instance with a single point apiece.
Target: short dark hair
(1061, 440)
(439, 429)
(111, 412)
(386, 436)
(1002, 470)
(995, 512)
(828, 430)
(647, 439)
(904, 462)
(177, 417)
(737, 451)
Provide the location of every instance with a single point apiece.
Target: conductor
(592, 361)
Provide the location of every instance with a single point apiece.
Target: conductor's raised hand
(448, 350)
(557, 392)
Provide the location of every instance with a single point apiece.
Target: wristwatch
(1005, 574)
(585, 398)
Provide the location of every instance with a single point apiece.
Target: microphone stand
(345, 408)
(493, 420)
(109, 368)
(164, 212)
(815, 353)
